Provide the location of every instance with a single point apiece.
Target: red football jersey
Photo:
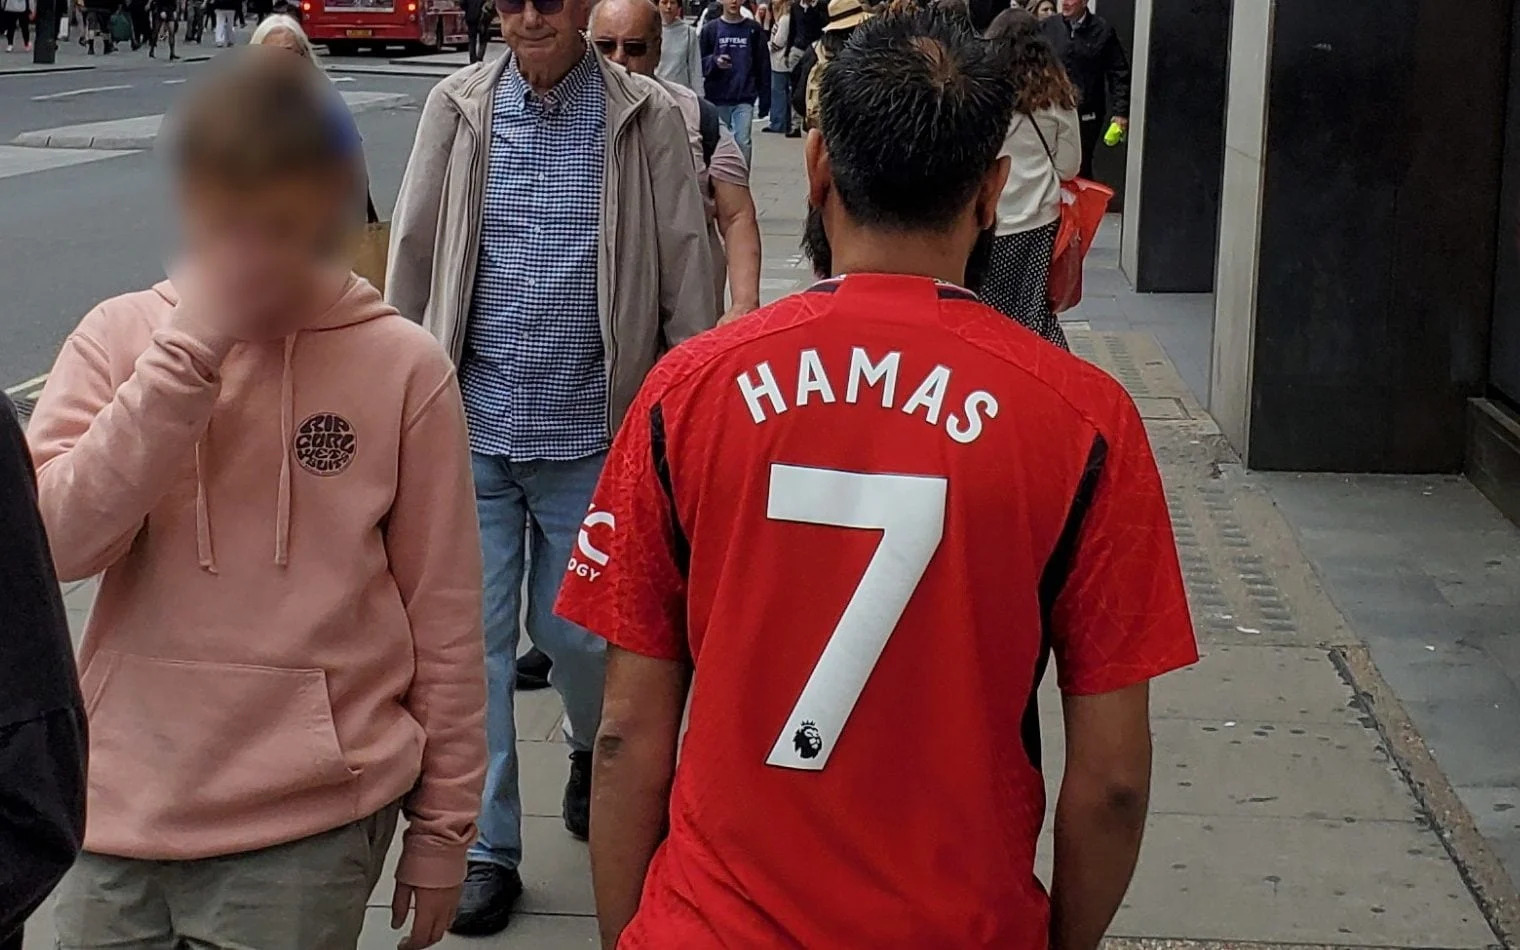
(867, 515)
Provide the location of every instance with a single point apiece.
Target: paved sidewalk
(1282, 813)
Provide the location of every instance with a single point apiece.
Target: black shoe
(794, 134)
(578, 796)
(490, 896)
(770, 130)
(533, 670)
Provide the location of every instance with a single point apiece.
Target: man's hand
(1121, 122)
(736, 311)
(432, 910)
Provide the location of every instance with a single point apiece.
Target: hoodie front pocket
(179, 745)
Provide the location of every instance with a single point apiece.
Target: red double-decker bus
(344, 26)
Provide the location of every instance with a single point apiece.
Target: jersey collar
(903, 288)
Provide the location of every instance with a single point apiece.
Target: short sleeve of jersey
(1121, 617)
(626, 580)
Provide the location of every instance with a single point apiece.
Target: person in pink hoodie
(268, 466)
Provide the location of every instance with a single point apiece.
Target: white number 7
(909, 511)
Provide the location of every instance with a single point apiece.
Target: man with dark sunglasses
(628, 33)
(550, 232)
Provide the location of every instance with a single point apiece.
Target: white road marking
(342, 79)
(20, 388)
(173, 82)
(77, 92)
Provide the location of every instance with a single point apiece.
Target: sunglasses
(516, 7)
(631, 47)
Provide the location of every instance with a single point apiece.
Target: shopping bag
(374, 245)
(1083, 204)
(121, 27)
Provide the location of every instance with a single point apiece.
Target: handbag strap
(1043, 144)
(1046, 146)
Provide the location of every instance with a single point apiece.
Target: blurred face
(670, 10)
(1073, 8)
(277, 243)
(627, 34)
(731, 9)
(1045, 9)
(545, 35)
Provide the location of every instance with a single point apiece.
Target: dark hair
(913, 111)
(834, 40)
(261, 116)
(1041, 78)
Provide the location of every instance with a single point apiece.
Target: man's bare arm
(740, 228)
(1100, 817)
(634, 763)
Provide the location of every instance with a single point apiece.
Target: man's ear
(820, 175)
(992, 189)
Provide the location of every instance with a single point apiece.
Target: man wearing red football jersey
(806, 507)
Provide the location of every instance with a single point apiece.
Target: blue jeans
(740, 120)
(530, 517)
(781, 108)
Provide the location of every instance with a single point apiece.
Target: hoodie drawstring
(203, 550)
(287, 423)
(205, 553)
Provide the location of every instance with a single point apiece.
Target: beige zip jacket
(654, 280)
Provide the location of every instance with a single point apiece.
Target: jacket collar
(472, 88)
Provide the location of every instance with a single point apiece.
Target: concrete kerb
(1480, 868)
(140, 132)
(418, 71)
(34, 69)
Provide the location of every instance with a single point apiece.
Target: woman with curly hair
(1044, 149)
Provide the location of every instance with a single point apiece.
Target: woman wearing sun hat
(844, 17)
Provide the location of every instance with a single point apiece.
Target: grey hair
(280, 23)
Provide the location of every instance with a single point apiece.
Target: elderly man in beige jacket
(550, 232)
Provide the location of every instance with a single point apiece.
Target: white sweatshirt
(1032, 197)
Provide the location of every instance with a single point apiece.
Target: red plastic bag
(1083, 204)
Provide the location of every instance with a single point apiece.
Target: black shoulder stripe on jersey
(952, 292)
(659, 446)
(825, 286)
(1053, 580)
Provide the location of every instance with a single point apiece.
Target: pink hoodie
(288, 631)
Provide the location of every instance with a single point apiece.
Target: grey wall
(1176, 154)
(1240, 222)
(1376, 234)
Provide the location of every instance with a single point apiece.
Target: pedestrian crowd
(108, 24)
(324, 513)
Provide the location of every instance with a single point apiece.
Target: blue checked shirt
(533, 378)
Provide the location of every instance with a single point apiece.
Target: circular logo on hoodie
(325, 444)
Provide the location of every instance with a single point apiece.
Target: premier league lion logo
(808, 740)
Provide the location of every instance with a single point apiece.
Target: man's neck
(736, 18)
(544, 81)
(916, 255)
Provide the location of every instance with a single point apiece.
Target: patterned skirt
(1017, 278)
